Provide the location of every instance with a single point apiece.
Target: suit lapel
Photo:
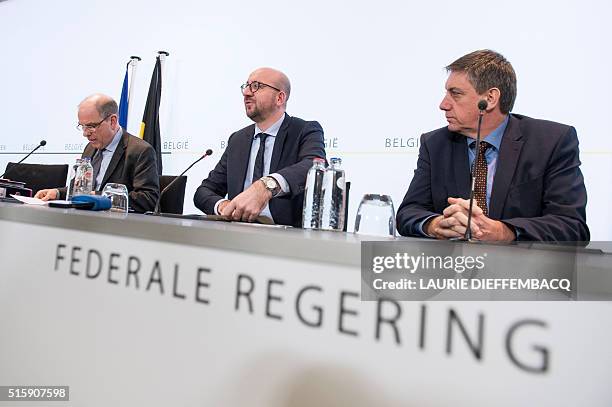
(509, 153)
(461, 167)
(240, 160)
(279, 142)
(117, 157)
(89, 152)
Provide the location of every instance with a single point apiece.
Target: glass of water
(118, 195)
(375, 216)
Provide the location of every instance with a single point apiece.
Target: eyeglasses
(255, 86)
(91, 126)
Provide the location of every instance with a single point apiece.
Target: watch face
(269, 183)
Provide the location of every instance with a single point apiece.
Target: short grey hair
(107, 108)
(488, 69)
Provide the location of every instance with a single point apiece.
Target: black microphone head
(208, 152)
(43, 142)
(482, 105)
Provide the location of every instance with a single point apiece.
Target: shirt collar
(113, 144)
(272, 130)
(495, 137)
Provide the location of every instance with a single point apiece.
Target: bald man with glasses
(263, 169)
(116, 155)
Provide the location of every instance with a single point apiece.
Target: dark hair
(488, 69)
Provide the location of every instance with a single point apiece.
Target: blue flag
(123, 103)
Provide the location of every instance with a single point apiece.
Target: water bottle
(311, 213)
(333, 197)
(72, 179)
(83, 181)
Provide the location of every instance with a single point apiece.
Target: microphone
(41, 144)
(156, 212)
(482, 106)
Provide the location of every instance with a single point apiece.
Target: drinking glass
(118, 195)
(375, 216)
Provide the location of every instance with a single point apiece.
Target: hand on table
(247, 205)
(47, 194)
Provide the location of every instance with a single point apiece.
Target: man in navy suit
(530, 184)
(263, 169)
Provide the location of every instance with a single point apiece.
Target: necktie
(96, 162)
(480, 173)
(259, 160)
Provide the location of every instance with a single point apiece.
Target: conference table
(129, 309)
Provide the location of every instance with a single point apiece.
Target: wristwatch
(271, 185)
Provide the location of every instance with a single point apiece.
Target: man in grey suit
(263, 169)
(116, 155)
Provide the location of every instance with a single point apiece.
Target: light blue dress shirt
(107, 154)
(491, 154)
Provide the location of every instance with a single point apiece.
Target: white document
(28, 200)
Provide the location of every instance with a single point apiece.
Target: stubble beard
(254, 115)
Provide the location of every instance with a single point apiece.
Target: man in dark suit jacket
(264, 166)
(123, 158)
(530, 183)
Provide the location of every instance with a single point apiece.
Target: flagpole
(134, 59)
(150, 126)
(162, 58)
(132, 64)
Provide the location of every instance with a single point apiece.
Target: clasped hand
(454, 219)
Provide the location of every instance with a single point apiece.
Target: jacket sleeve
(311, 146)
(214, 187)
(564, 198)
(418, 202)
(145, 193)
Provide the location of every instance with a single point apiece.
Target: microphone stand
(468, 231)
(42, 143)
(157, 211)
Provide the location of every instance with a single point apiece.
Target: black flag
(149, 129)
